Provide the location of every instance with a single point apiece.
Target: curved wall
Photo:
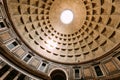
(14, 50)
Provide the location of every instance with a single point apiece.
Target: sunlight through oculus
(66, 16)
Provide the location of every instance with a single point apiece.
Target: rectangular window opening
(12, 45)
(27, 58)
(98, 71)
(77, 73)
(43, 66)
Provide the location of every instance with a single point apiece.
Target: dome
(85, 38)
(75, 33)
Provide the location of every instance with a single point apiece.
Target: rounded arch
(58, 73)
